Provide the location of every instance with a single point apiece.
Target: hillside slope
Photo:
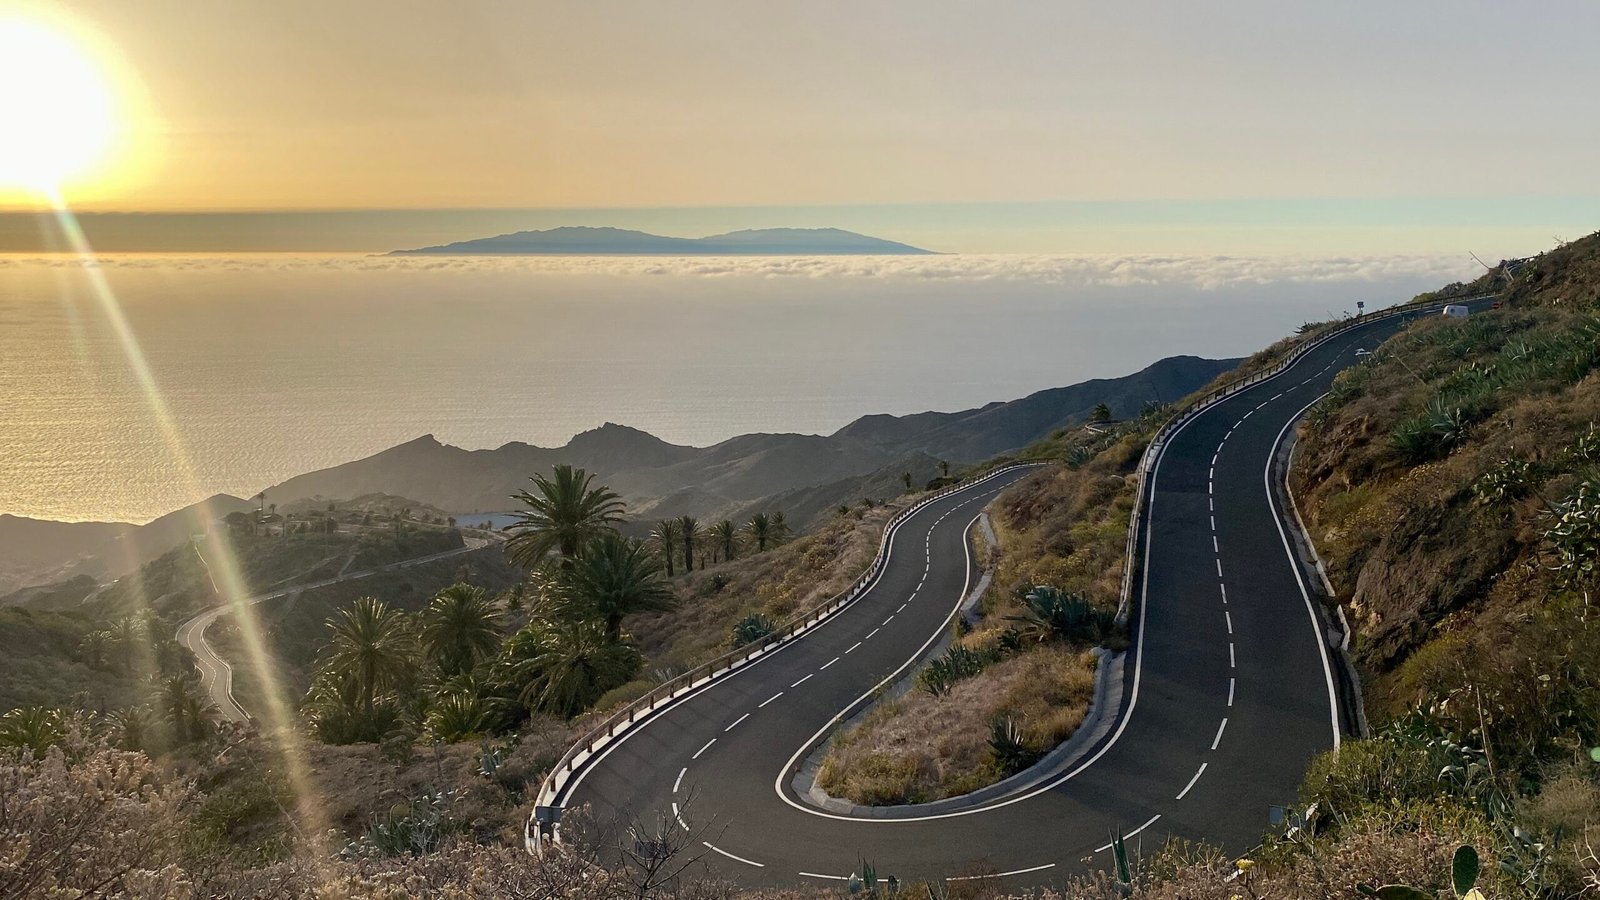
(731, 474)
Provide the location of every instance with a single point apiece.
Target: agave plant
(1079, 456)
(1573, 534)
(1051, 613)
(1510, 479)
(943, 672)
(750, 629)
(1011, 751)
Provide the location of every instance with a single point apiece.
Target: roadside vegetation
(1018, 679)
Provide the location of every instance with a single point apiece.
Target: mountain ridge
(585, 240)
(655, 478)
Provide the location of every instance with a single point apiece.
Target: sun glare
(57, 110)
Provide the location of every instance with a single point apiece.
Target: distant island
(585, 241)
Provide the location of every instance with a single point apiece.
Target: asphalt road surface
(1227, 697)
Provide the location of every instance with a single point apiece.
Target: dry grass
(921, 747)
(1062, 527)
(793, 576)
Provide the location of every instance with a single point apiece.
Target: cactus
(1463, 876)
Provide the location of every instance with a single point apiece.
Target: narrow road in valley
(1227, 694)
(216, 675)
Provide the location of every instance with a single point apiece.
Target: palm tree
(563, 514)
(689, 530)
(133, 727)
(187, 713)
(780, 527)
(759, 528)
(564, 666)
(665, 535)
(92, 649)
(35, 728)
(616, 578)
(460, 629)
(372, 649)
(127, 636)
(726, 536)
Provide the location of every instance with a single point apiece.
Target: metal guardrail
(668, 691)
(1131, 563)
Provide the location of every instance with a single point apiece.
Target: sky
(1237, 126)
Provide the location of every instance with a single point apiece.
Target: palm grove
(470, 664)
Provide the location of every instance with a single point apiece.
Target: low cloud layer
(1199, 272)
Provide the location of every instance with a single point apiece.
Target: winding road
(1228, 691)
(216, 675)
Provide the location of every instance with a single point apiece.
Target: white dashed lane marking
(803, 680)
(1218, 739)
(769, 700)
(1190, 786)
(703, 749)
(735, 723)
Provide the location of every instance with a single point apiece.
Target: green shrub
(621, 696)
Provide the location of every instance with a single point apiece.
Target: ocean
(258, 368)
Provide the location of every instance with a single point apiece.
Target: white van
(1457, 311)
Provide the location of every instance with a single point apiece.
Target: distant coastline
(587, 241)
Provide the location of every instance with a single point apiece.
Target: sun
(58, 113)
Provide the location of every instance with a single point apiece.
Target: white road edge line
(1131, 833)
(1294, 566)
(1190, 786)
(829, 877)
(748, 862)
(1001, 874)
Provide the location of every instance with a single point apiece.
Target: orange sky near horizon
(361, 104)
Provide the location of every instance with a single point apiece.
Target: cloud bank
(1208, 273)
